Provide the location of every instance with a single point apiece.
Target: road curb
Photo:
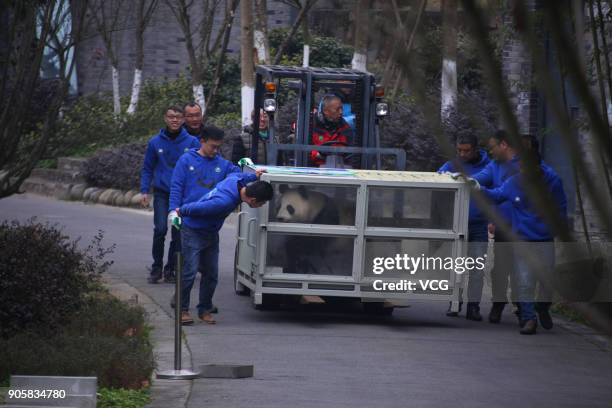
(164, 393)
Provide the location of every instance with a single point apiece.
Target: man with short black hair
(504, 165)
(193, 118)
(195, 175)
(471, 160)
(163, 152)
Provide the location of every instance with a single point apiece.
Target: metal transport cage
(339, 223)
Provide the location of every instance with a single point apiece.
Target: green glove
(245, 161)
(175, 220)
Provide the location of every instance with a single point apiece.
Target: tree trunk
(116, 96)
(262, 42)
(229, 22)
(449, 57)
(144, 13)
(360, 57)
(246, 59)
(306, 35)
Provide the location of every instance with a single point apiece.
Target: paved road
(323, 357)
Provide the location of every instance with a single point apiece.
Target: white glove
(473, 183)
(175, 220)
(454, 176)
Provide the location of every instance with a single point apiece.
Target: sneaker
(186, 319)
(207, 318)
(530, 327)
(156, 275)
(545, 318)
(496, 312)
(473, 312)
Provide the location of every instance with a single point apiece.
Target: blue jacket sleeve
(215, 206)
(146, 174)
(446, 167)
(195, 143)
(485, 176)
(500, 194)
(558, 194)
(177, 186)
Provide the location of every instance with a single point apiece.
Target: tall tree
(144, 12)
(246, 60)
(304, 8)
(360, 55)
(448, 97)
(201, 48)
(109, 16)
(33, 28)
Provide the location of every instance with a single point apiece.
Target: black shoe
(496, 312)
(156, 275)
(545, 318)
(529, 327)
(473, 312)
(449, 313)
(169, 276)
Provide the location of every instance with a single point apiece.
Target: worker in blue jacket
(200, 223)
(471, 160)
(163, 151)
(197, 173)
(531, 228)
(505, 164)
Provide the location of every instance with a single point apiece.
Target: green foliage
(44, 277)
(122, 398)
(226, 120)
(118, 167)
(324, 51)
(228, 97)
(105, 338)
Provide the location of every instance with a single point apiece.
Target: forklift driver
(330, 128)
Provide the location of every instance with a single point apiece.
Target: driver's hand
(259, 172)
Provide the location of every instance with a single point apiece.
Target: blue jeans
(526, 278)
(161, 201)
(477, 247)
(200, 251)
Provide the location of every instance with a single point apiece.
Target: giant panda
(310, 254)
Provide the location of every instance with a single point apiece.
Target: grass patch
(566, 311)
(122, 398)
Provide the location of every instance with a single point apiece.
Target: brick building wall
(165, 55)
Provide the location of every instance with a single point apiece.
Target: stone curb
(164, 393)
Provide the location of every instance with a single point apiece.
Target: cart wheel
(377, 308)
(239, 288)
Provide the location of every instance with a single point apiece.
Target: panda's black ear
(303, 192)
(282, 188)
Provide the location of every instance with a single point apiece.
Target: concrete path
(332, 357)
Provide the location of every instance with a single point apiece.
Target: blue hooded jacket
(525, 220)
(209, 213)
(160, 158)
(493, 175)
(194, 177)
(476, 221)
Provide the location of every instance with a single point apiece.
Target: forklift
(363, 108)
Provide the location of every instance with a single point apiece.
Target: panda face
(294, 207)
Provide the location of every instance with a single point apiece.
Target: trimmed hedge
(116, 168)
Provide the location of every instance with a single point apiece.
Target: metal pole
(177, 312)
(178, 373)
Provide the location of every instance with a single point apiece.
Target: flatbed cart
(382, 214)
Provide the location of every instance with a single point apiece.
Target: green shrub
(116, 168)
(106, 338)
(44, 276)
(324, 51)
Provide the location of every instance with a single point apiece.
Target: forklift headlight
(382, 109)
(269, 105)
